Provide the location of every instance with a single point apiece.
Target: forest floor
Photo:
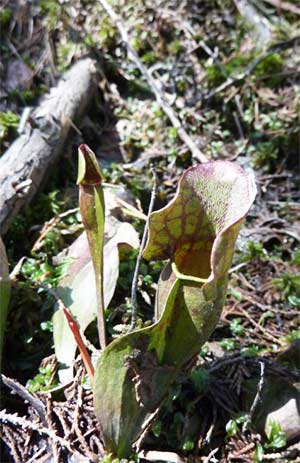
(236, 93)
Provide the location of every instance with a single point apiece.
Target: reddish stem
(78, 338)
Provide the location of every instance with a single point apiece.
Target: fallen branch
(260, 25)
(287, 6)
(132, 54)
(25, 165)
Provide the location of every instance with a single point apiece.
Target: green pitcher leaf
(197, 232)
(92, 209)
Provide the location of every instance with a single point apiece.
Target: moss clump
(272, 64)
(5, 15)
(8, 125)
(265, 156)
(235, 66)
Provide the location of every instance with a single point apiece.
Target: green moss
(63, 53)
(235, 66)
(8, 124)
(254, 251)
(181, 86)
(265, 156)
(5, 15)
(175, 47)
(214, 75)
(107, 35)
(149, 57)
(52, 10)
(289, 285)
(270, 66)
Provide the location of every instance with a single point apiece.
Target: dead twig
(22, 392)
(243, 450)
(22, 422)
(55, 446)
(76, 427)
(257, 396)
(39, 453)
(265, 334)
(287, 6)
(259, 389)
(62, 420)
(132, 54)
(211, 456)
(139, 258)
(8, 436)
(292, 452)
(207, 438)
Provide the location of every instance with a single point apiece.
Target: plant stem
(81, 346)
(76, 332)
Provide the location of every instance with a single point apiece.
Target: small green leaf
(231, 428)
(188, 445)
(204, 350)
(43, 381)
(156, 429)
(236, 294)
(276, 437)
(227, 343)
(47, 326)
(236, 327)
(251, 351)
(265, 316)
(294, 300)
(243, 418)
(259, 453)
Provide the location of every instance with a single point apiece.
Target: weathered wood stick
(25, 165)
(261, 27)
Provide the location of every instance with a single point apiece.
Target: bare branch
(139, 258)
